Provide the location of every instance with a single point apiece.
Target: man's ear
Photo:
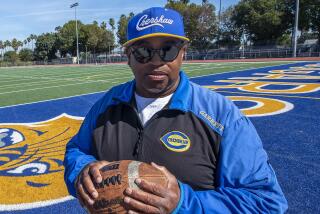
(184, 50)
(126, 51)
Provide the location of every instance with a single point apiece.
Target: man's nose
(156, 60)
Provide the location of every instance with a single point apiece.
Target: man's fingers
(95, 174)
(171, 178)
(132, 212)
(86, 191)
(163, 169)
(137, 205)
(147, 198)
(84, 195)
(150, 187)
(89, 186)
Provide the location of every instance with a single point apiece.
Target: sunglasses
(167, 53)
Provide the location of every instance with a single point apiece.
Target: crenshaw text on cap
(155, 21)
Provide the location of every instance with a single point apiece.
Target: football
(116, 177)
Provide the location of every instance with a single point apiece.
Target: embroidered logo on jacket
(212, 121)
(176, 141)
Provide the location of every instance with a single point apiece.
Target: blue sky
(20, 18)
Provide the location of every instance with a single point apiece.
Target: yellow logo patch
(31, 161)
(176, 141)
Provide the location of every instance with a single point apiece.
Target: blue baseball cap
(155, 21)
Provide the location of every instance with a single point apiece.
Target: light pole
(219, 12)
(86, 55)
(219, 24)
(296, 29)
(75, 15)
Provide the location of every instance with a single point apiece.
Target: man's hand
(86, 192)
(153, 198)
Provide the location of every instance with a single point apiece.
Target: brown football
(116, 177)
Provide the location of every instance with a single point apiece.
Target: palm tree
(29, 40)
(15, 44)
(7, 44)
(33, 38)
(1, 48)
(25, 42)
(20, 44)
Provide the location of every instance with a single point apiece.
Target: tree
(97, 39)
(26, 55)
(122, 28)
(112, 24)
(25, 42)
(309, 16)
(46, 46)
(200, 23)
(7, 44)
(28, 40)
(32, 38)
(263, 21)
(15, 44)
(103, 25)
(1, 48)
(91, 37)
(229, 33)
(11, 56)
(20, 43)
(67, 38)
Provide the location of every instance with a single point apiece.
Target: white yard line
(55, 74)
(105, 91)
(85, 82)
(51, 80)
(28, 84)
(60, 98)
(56, 86)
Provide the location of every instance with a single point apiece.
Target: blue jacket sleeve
(78, 152)
(246, 182)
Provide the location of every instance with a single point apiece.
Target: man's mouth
(157, 75)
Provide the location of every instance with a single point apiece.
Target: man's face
(156, 78)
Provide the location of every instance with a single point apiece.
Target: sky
(20, 18)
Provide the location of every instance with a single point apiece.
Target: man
(211, 153)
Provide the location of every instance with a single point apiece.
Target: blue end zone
(291, 138)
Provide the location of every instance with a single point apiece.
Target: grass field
(20, 85)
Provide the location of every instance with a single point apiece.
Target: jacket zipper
(137, 151)
(138, 146)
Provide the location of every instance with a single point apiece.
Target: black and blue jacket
(200, 136)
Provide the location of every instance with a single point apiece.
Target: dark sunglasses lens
(169, 53)
(142, 54)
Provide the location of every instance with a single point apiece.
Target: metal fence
(219, 54)
(255, 53)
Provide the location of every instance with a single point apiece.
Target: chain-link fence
(218, 54)
(255, 53)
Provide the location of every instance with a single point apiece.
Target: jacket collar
(179, 100)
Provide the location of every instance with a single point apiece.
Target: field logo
(176, 141)
(261, 106)
(31, 162)
(9, 137)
